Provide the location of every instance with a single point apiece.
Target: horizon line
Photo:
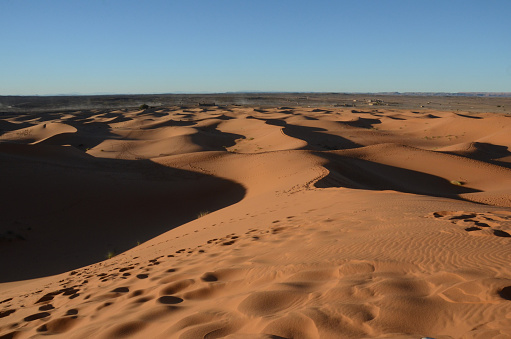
(397, 93)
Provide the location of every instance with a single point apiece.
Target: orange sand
(255, 223)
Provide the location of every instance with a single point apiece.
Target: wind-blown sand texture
(314, 223)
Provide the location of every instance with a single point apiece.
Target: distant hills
(447, 94)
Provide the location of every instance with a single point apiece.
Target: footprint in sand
(169, 300)
(505, 293)
(121, 290)
(124, 269)
(472, 222)
(6, 300)
(500, 233)
(37, 316)
(46, 307)
(72, 311)
(209, 277)
(6, 313)
(72, 292)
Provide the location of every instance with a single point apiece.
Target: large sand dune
(247, 222)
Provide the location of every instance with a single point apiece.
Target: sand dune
(239, 222)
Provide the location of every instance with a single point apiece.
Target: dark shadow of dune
(157, 114)
(505, 164)
(88, 135)
(6, 126)
(190, 116)
(392, 117)
(117, 119)
(75, 139)
(363, 122)
(45, 117)
(468, 116)
(430, 116)
(362, 174)
(486, 152)
(170, 123)
(212, 139)
(224, 108)
(25, 117)
(314, 137)
(62, 210)
(309, 118)
(218, 117)
(224, 117)
(318, 110)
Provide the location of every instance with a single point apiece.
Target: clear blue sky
(134, 46)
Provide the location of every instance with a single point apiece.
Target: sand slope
(255, 223)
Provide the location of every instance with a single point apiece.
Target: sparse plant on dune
(144, 106)
(111, 254)
(202, 213)
(457, 183)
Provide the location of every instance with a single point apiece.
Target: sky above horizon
(194, 46)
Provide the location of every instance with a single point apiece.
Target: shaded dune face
(362, 174)
(255, 222)
(316, 138)
(71, 210)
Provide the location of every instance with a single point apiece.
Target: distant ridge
(448, 94)
(426, 94)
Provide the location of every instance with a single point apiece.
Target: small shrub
(144, 106)
(457, 183)
(111, 254)
(202, 213)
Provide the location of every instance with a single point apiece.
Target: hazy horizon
(490, 94)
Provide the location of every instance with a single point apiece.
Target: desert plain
(272, 221)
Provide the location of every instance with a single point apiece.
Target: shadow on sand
(362, 174)
(64, 209)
